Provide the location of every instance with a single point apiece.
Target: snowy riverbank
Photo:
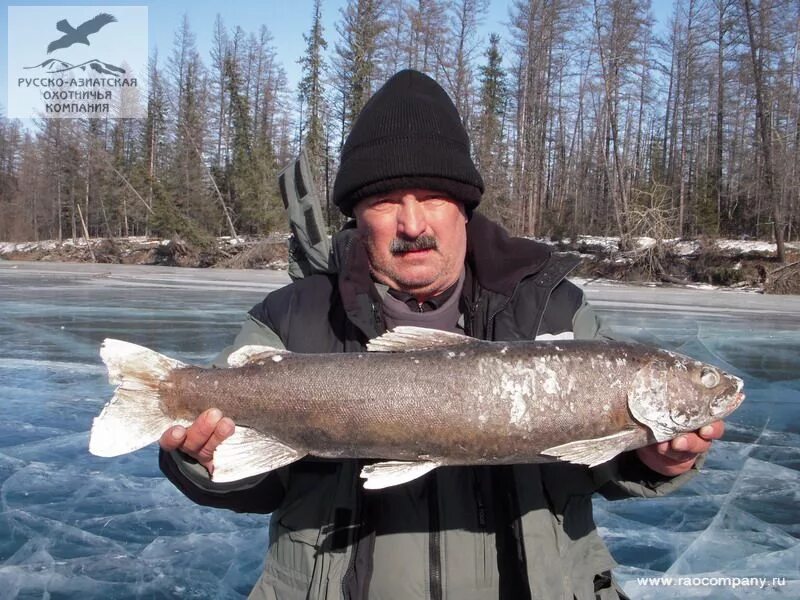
(742, 264)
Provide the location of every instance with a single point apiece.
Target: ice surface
(76, 526)
(741, 516)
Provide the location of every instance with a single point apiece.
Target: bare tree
(757, 55)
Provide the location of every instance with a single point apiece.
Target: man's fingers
(660, 459)
(688, 443)
(665, 450)
(714, 431)
(199, 433)
(223, 430)
(697, 442)
(677, 456)
(201, 438)
(172, 438)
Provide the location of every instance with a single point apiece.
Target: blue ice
(73, 525)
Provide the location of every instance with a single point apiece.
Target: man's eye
(382, 203)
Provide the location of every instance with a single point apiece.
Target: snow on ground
(592, 243)
(610, 245)
(140, 242)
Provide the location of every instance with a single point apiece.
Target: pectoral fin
(599, 450)
(247, 453)
(394, 472)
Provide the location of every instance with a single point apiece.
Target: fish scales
(465, 404)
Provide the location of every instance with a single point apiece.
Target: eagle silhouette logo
(79, 35)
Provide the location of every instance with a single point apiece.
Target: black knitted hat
(408, 135)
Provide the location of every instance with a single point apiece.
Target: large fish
(418, 399)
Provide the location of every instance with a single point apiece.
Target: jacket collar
(360, 298)
(498, 261)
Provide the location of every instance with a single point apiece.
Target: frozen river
(76, 526)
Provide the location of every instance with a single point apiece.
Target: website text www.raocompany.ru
(713, 581)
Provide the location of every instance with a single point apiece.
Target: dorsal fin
(251, 354)
(411, 339)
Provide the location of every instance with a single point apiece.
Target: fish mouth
(737, 397)
(728, 401)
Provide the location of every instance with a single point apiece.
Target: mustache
(423, 242)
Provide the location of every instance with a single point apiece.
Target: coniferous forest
(586, 117)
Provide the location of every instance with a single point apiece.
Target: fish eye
(709, 378)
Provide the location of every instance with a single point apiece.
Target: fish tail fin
(133, 418)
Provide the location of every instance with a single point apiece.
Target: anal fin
(596, 451)
(394, 472)
(247, 453)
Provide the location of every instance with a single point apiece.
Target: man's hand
(677, 456)
(201, 438)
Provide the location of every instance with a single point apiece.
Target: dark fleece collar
(498, 261)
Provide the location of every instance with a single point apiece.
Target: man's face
(416, 239)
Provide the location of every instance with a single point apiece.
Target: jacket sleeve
(260, 494)
(625, 476)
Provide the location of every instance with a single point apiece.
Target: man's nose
(411, 220)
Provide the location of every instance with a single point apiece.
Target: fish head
(675, 394)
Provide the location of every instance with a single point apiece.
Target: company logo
(95, 69)
(79, 36)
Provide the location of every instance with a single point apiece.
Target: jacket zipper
(434, 542)
(351, 563)
(482, 576)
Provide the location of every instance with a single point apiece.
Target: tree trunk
(765, 134)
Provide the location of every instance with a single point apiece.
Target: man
(419, 255)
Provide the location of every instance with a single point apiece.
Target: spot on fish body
(571, 384)
(551, 386)
(451, 354)
(504, 350)
(277, 358)
(518, 409)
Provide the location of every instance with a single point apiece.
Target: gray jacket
(521, 531)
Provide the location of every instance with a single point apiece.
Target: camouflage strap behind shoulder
(310, 246)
